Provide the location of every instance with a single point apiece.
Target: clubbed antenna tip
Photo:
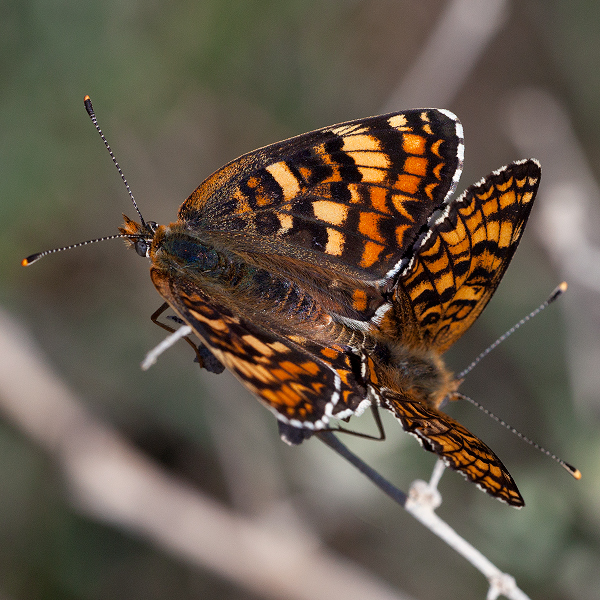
(31, 259)
(559, 290)
(571, 469)
(88, 105)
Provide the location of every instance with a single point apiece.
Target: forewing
(460, 260)
(303, 383)
(456, 445)
(351, 197)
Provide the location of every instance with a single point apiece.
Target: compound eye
(141, 247)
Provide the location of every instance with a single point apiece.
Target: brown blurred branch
(453, 49)
(566, 221)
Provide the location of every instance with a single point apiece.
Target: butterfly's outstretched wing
(302, 382)
(350, 198)
(461, 258)
(455, 445)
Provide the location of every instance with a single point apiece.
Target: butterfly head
(139, 237)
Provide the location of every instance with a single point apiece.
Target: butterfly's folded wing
(350, 198)
(458, 263)
(302, 382)
(452, 272)
(456, 445)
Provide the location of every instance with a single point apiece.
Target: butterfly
(331, 271)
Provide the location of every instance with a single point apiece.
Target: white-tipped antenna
(570, 468)
(90, 110)
(556, 293)
(35, 257)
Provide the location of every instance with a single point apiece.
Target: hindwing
(455, 445)
(460, 258)
(304, 383)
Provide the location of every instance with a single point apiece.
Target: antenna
(90, 110)
(556, 293)
(35, 257)
(570, 468)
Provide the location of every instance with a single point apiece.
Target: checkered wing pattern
(302, 382)
(350, 198)
(456, 445)
(461, 258)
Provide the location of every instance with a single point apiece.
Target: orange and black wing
(302, 382)
(455, 445)
(461, 258)
(350, 198)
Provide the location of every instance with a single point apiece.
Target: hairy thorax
(416, 374)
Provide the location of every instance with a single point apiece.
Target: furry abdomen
(419, 375)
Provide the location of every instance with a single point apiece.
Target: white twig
(438, 470)
(169, 341)
(423, 498)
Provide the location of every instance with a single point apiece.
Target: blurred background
(118, 483)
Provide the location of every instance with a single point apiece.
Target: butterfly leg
(204, 357)
(296, 435)
(380, 437)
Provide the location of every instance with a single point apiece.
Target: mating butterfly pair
(329, 272)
